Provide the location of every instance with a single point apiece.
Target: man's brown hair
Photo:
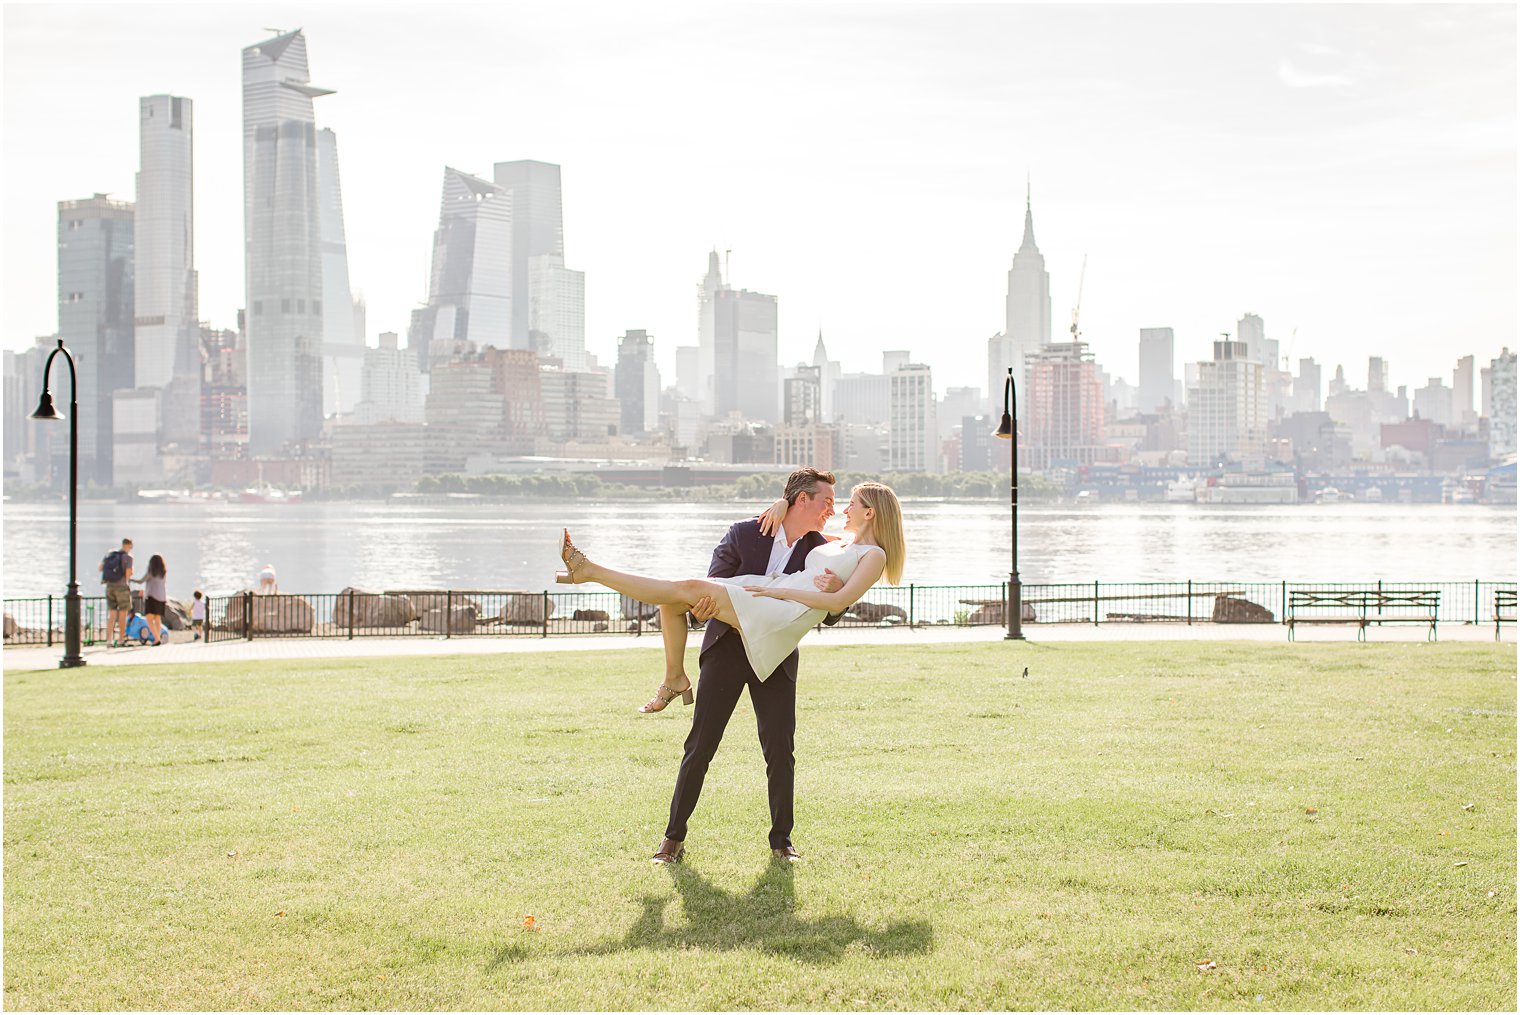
(805, 481)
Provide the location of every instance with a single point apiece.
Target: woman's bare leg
(673, 634)
(682, 594)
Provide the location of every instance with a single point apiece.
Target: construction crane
(1076, 312)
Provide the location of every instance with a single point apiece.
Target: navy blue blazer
(744, 549)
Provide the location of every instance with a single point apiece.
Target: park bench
(1364, 607)
(1504, 609)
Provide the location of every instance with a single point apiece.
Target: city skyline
(1348, 173)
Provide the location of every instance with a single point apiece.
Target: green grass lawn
(1332, 826)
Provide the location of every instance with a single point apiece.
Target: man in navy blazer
(725, 669)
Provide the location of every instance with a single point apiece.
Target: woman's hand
(770, 518)
(766, 592)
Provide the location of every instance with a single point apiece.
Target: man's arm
(866, 573)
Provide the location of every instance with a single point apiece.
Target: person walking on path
(115, 573)
(155, 597)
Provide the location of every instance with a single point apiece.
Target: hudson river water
(504, 544)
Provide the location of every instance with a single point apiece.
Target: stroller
(137, 628)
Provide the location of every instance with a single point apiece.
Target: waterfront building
(913, 440)
(863, 399)
(1306, 387)
(390, 385)
(14, 404)
(166, 341)
(688, 372)
(1433, 402)
(955, 405)
(811, 444)
(136, 420)
(464, 411)
(557, 311)
(224, 393)
(745, 365)
(1462, 394)
(578, 405)
(1227, 417)
(381, 457)
(283, 244)
(866, 448)
(1061, 409)
(1158, 368)
(1026, 308)
(802, 399)
(1499, 403)
(637, 384)
(980, 449)
(537, 229)
(1377, 374)
(470, 286)
(96, 318)
(343, 344)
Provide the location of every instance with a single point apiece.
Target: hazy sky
(1348, 172)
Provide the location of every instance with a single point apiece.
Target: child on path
(198, 614)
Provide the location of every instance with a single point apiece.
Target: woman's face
(856, 514)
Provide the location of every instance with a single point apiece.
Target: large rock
(526, 608)
(992, 613)
(273, 614)
(1229, 610)
(10, 626)
(635, 610)
(459, 620)
(176, 615)
(424, 600)
(597, 615)
(875, 613)
(364, 608)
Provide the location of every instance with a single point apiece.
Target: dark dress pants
(725, 673)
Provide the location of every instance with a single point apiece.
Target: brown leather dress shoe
(670, 851)
(787, 853)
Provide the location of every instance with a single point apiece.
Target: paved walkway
(33, 658)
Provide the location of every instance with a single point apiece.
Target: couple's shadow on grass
(764, 918)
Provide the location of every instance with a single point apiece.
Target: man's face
(127, 546)
(818, 507)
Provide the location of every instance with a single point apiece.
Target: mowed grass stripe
(1082, 837)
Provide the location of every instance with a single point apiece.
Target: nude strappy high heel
(664, 695)
(574, 560)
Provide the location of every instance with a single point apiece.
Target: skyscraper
(343, 342)
(557, 311)
(1462, 392)
(1306, 387)
(913, 443)
(1158, 371)
(470, 288)
(96, 317)
(283, 244)
(1252, 332)
(537, 229)
(828, 376)
(1227, 414)
(1062, 410)
(636, 383)
(745, 369)
(1027, 309)
(707, 295)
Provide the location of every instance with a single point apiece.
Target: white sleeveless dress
(771, 628)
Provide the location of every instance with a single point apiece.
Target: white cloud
(1295, 77)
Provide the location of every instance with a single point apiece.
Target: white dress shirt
(780, 552)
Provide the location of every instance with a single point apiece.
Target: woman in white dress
(772, 613)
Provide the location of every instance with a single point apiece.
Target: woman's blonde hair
(886, 526)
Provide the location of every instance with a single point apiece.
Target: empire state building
(1027, 321)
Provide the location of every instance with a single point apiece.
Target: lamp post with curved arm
(1008, 430)
(46, 411)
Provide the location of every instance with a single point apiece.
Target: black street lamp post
(45, 410)
(1008, 430)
